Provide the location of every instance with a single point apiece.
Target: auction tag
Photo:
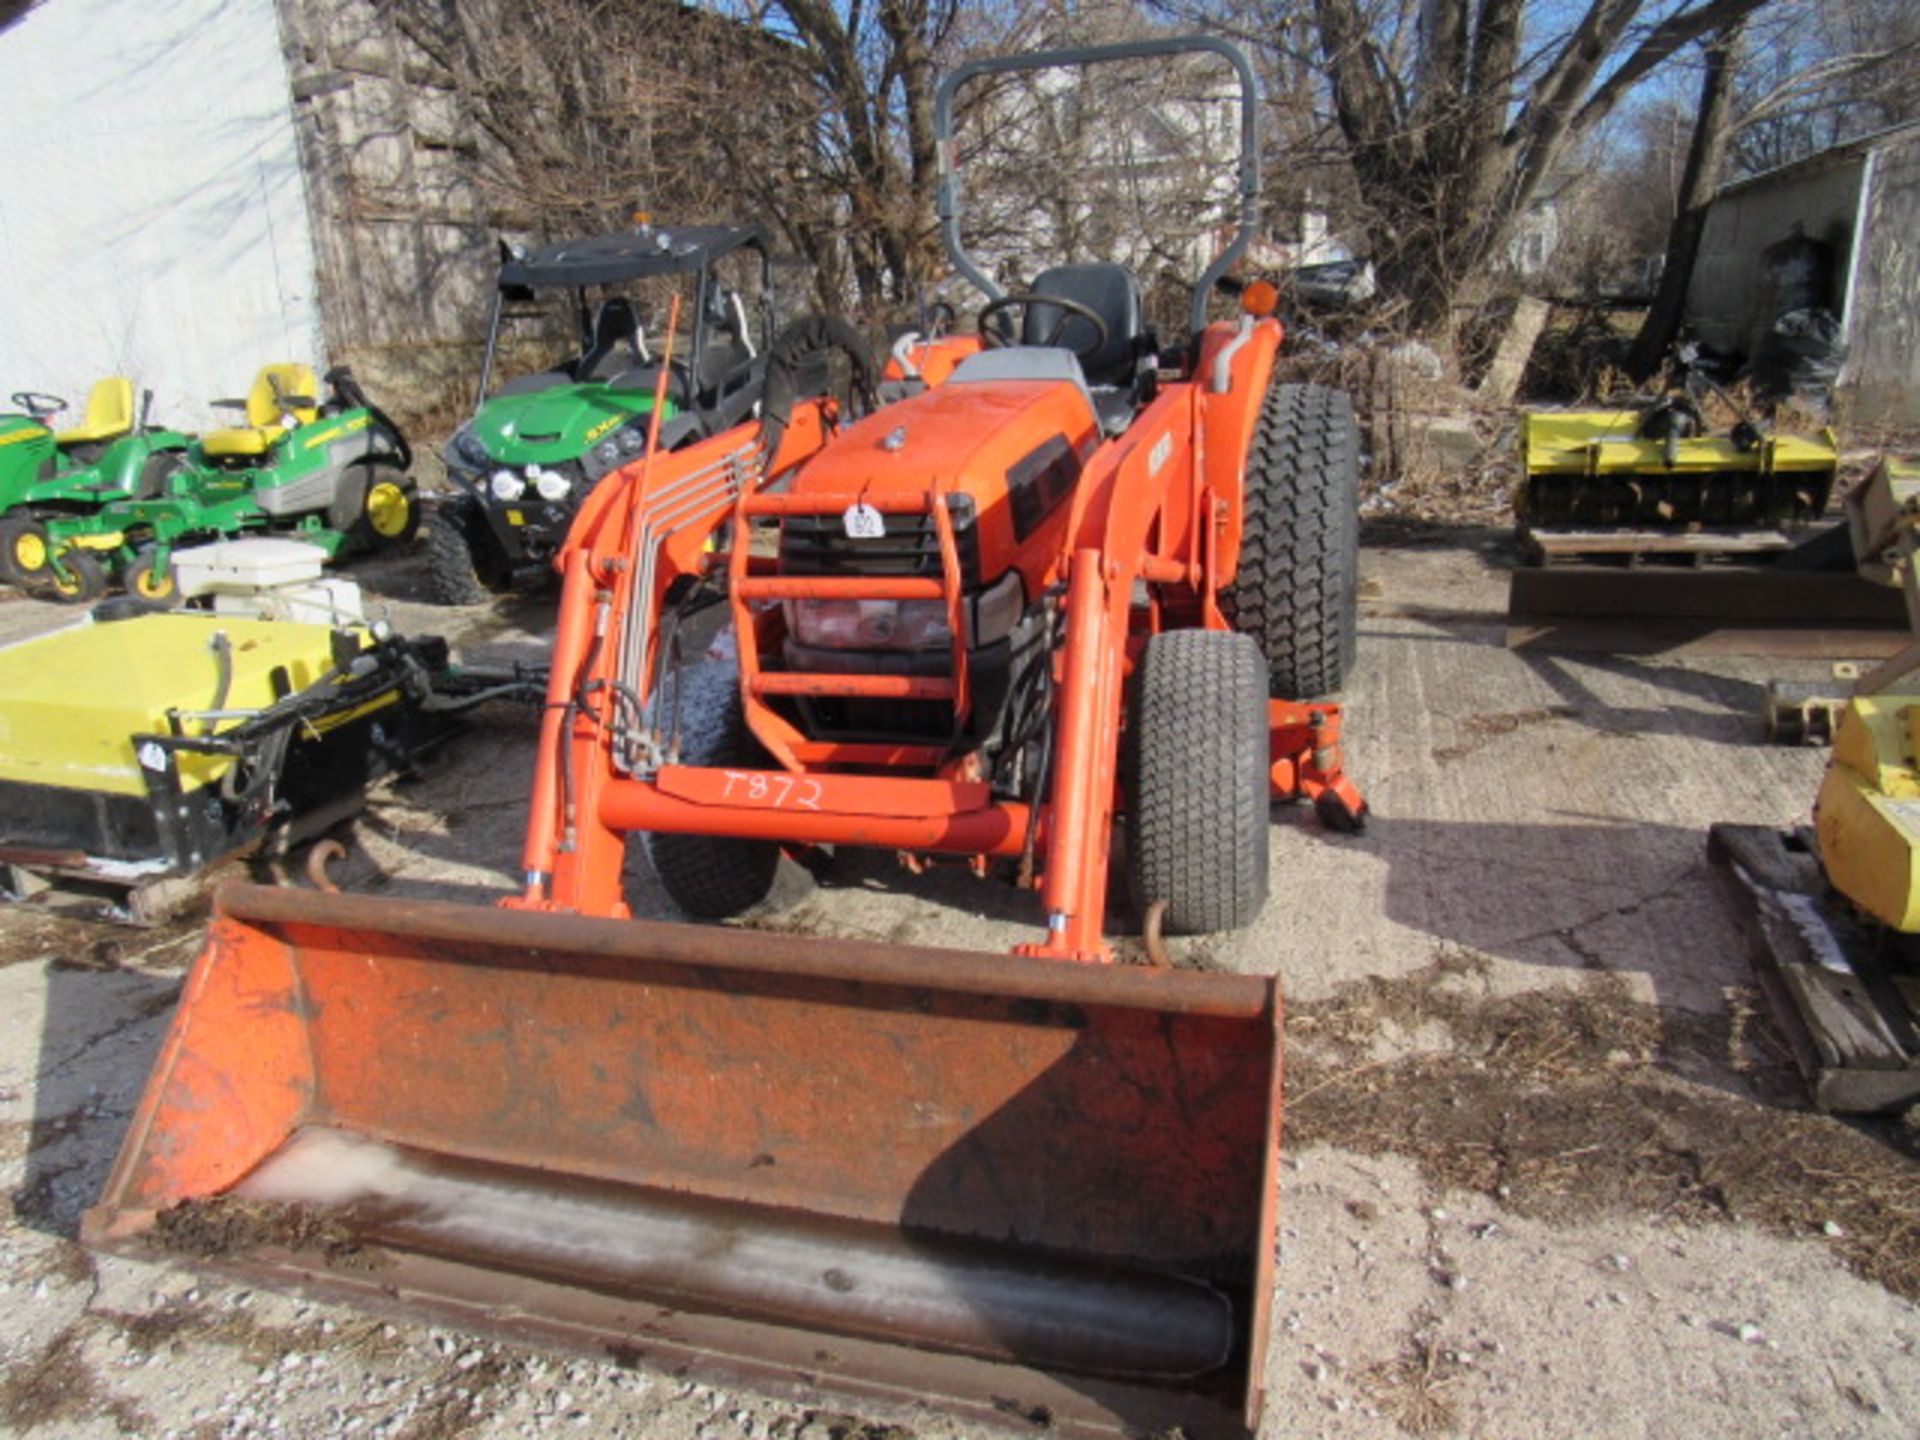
(863, 522)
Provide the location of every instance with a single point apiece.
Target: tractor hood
(551, 426)
(24, 444)
(1015, 446)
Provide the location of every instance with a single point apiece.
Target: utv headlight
(551, 484)
(507, 486)
(632, 440)
(468, 450)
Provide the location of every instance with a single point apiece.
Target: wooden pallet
(1554, 546)
(1846, 995)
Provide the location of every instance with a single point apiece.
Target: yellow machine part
(278, 391)
(74, 700)
(109, 414)
(1602, 442)
(1868, 815)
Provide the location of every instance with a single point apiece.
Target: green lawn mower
(333, 472)
(533, 447)
(46, 474)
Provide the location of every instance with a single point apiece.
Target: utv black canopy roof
(629, 254)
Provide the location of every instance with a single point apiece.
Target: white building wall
(154, 223)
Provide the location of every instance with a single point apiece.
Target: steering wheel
(1069, 310)
(38, 403)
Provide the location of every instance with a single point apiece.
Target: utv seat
(616, 327)
(280, 393)
(109, 415)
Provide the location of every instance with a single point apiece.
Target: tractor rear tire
(87, 582)
(155, 592)
(376, 509)
(1297, 586)
(1197, 788)
(712, 877)
(461, 568)
(23, 550)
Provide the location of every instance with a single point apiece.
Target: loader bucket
(1030, 1192)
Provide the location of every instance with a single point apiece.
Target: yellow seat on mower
(109, 414)
(280, 393)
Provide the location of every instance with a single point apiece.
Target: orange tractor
(1067, 582)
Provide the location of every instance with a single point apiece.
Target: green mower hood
(551, 426)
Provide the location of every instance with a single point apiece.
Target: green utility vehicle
(110, 455)
(533, 447)
(333, 471)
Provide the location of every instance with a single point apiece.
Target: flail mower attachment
(993, 1184)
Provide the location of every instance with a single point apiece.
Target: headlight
(507, 486)
(632, 440)
(869, 624)
(551, 484)
(607, 454)
(468, 450)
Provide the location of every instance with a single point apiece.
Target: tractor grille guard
(747, 588)
(682, 501)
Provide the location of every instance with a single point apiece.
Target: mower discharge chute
(988, 622)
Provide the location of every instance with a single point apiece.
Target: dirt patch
(59, 1385)
(1561, 1103)
(223, 1225)
(826, 1425)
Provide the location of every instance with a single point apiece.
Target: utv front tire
(463, 564)
(1297, 586)
(711, 877)
(1197, 781)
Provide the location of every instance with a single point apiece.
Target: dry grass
(58, 1385)
(1411, 1389)
(1557, 1104)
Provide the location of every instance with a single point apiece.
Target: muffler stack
(999, 1186)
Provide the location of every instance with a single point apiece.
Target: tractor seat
(109, 414)
(1111, 292)
(280, 393)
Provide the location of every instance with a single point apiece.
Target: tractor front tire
(1296, 589)
(85, 582)
(23, 550)
(463, 563)
(156, 591)
(711, 877)
(1197, 789)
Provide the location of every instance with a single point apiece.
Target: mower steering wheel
(1069, 310)
(38, 403)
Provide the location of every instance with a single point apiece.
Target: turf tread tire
(712, 877)
(1297, 585)
(1197, 781)
(453, 574)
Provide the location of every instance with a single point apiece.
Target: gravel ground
(1548, 1172)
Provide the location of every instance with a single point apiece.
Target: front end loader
(1076, 595)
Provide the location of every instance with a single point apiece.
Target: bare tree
(1705, 155)
(1459, 115)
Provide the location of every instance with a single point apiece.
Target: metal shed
(1840, 230)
